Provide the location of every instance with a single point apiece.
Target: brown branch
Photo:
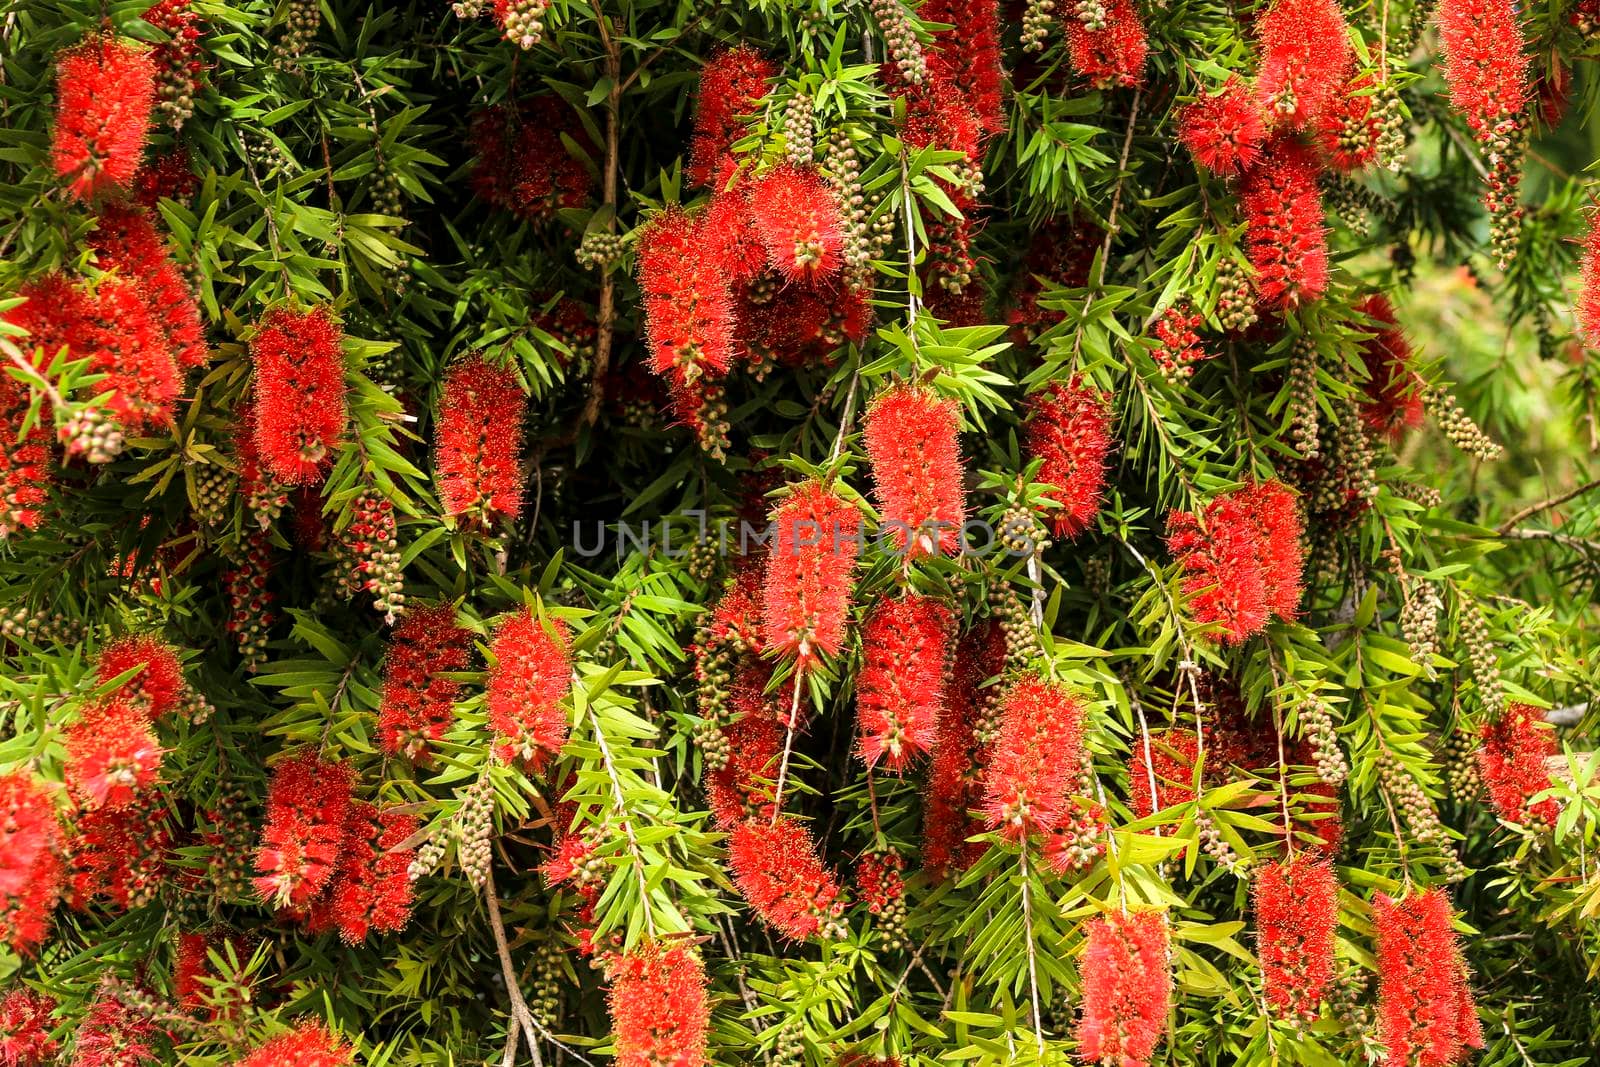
(1544, 505)
(606, 326)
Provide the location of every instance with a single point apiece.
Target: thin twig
(788, 737)
(1545, 505)
(1033, 965)
(521, 1016)
(606, 326)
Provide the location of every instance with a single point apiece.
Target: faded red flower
(532, 674)
(1512, 759)
(116, 1035)
(1069, 428)
(1348, 129)
(299, 392)
(912, 438)
(478, 446)
(371, 890)
(1286, 240)
(776, 868)
(955, 775)
(25, 475)
(1425, 1010)
(738, 791)
(659, 1013)
(905, 646)
(1393, 387)
(1587, 309)
(972, 47)
(1115, 53)
(1126, 974)
(178, 60)
(1296, 910)
(806, 594)
(25, 1025)
(1036, 759)
(1305, 58)
(418, 704)
(104, 92)
(522, 164)
(119, 856)
(1169, 760)
(732, 83)
(1225, 130)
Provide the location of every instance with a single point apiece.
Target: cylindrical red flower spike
(1486, 67)
(797, 218)
(1512, 759)
(1394, 388)
(913, 441)
(730, 242)
(1274, 511)
(419, 705)
(905, 646)
(659, 1013)
(1587, 309)
(112, 755)
(732, 84)
(126, 240)
(158, 686)
(25, 476)
(736, 792)
(124, 343)
(805, 597)
(776, 868)
(371, 890)
(955, 775)
(308, 804)
(523, 166)
(1287, 241)
(1036, 759)
(479, 441)
(114, 1034)
(25, 1025)
(1115, 53)
(1305, 58)
(972, 47)
(1225, 130)
(1348, 128)
(532, 674)
(1296, 911)
(1170, 760)
(1425, 1010)
(1222, 580)
(1069, 429)
(1126, 975)
(30, 861)
(687, 308)
(309, 1045)
(104, 92)
(299, 392)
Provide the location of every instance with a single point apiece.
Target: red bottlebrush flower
(104, 91)
(308, 804)
(158, 686)
(371, 891)
(112, 755)
(531, 676)
(1305, 57)
(116, 1035)
(125, 344)
(1225, 130)
(1587, 309)
(25, 476)
(687, 308)
(119, 856)
(659, 1014)
(1115, 53)
(1425, 1010)
(299, 392)
(190, 969)
(1243, 563)
(1126, 972)
(905, 649)
(776, 868)
(1512, 760)
(879, 881)
(1069, 429)
(1036, 759)
(729, 239)
(797, 218)
(1286, 240)
(167, 176)
(523, 166)
(972, 48)
(1296, 909)
(25, 1026)
(913, 441)
(1486, 65)
(309, 1045)
(1393, 387)
(418, 705)
(126, 240)
(937, 111)
(1348, 129)
(955, 775)
(1170, 760)
(30, 862)
(732, 84)
(1178, 346)
(736, 791)
(805, 597)
(479, 441)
